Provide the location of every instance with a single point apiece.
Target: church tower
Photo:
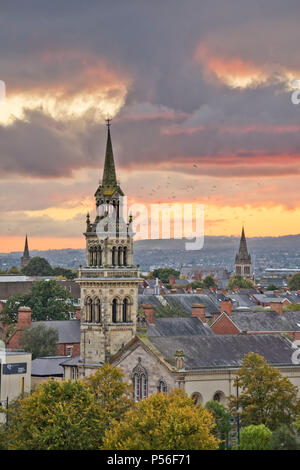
(243, 264)
(25, 258)
(109, 281)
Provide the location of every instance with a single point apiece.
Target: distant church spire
(109, 172)
(25, 258)
(243, 264)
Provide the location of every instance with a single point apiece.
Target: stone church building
(176, 352)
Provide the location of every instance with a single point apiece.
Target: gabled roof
(178, 327)
(224, 351)
(266, 321)
(68, 330)
(47, 366)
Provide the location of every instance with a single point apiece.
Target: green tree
(68, 415)
(39, 340)
(195, 284)
(13, 270)
(294, 282)
(255, 437)
(65, 272)
(56, 416)
(208, 282)
(38, 267)
(265, 397)
(48, 300)
(163, 422)
(164, 274)
(222, 420)
(283, 438)
(239, 281)
(112, 393)
(271, 287)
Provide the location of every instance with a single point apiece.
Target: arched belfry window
(89, 308)
(125, 311)
(97, 311)
(113, 256)
(125, 256)
(119, 256)
(140, 382)
(114, 310)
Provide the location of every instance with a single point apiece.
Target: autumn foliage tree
(265, 396)
(163, 422)
(68, 415)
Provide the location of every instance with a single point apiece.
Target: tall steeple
(109, 281)
(25, 258)
(243, 264)
(109, 173)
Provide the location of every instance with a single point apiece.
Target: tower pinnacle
(109, 172)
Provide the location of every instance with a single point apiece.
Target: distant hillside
(219, 251)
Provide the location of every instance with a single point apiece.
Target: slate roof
(267, 321)
(68, 330)
(242, 299)
(47, 366)
(224, 350)
(263, 298)
(184, 300)
(178, 327)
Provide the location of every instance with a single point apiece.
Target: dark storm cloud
(150, 45)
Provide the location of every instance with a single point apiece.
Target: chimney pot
(198, 310)
(24, 318)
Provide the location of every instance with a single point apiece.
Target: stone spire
(25, 258)
(26, 250)
(243, 255)
(109, 172)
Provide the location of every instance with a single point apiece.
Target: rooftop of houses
(178, 327)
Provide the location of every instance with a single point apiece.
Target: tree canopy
(164, 274)
(68, 415)
(39, 340)
(163, 421)
(294, 282)
(265, 396)
(255, 437)
(48, 300)
(239, 281)
(38, 266)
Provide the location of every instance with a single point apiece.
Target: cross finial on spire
(108, 121)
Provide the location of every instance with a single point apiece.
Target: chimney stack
(24, 318)
(78, 312)
(149, 312)
(226, 306)
(277, 307)
(198, 310)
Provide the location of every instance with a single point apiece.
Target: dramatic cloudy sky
(200, 95)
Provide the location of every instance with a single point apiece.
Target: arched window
(197, 398)
(162, 386)
(140, 382)
(113, 256)
(97, 311)
(89, 308)
(125, 311)
(114, 310)
(99, 256)
(125, 256)
(219, 397)
(119, 256)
